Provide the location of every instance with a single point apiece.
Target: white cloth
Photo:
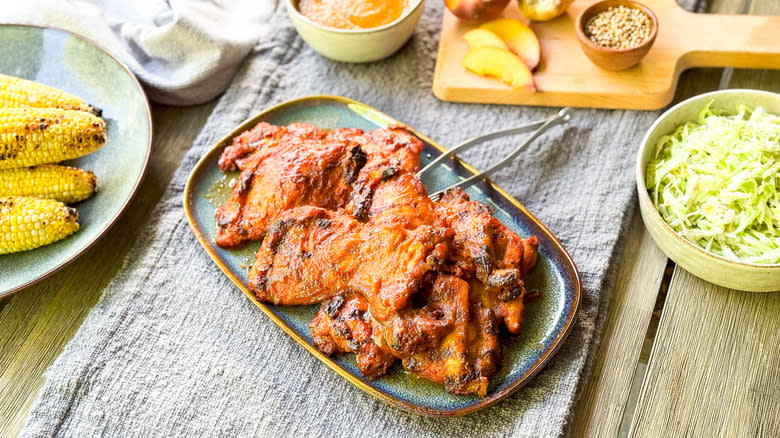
(184, 51)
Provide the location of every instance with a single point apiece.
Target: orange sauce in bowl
(352, 14)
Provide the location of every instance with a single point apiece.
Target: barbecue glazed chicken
(343, 325)
(345, 222)
(311, 254)
(282, 168)
(494, 258)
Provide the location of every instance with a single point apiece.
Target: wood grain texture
(714, 366)
(37, 322)
(714, 369)
(565, 77)
(600, 408)
(607, 396)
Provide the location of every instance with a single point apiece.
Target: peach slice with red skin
(477, 38)
(502, 64)
(519, 37)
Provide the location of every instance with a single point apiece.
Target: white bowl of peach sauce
(355, 30)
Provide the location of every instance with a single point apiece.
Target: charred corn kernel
(48, 181)
(18, 92)
(27, 223)
(30, 136)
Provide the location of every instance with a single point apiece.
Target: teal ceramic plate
(60, 59)
(547, 320)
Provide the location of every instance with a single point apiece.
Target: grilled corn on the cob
(18, 92)
(48, 181)
(30, 136)
(27, 223)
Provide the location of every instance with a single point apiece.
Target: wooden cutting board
(565, 77)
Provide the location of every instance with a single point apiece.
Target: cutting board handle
(566, 77)
(715, 40)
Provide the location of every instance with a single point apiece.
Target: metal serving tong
(538, 127)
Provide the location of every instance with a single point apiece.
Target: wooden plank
(714, 367)
(37, 322)
(607, 396)
(566, 77)
(600, 408)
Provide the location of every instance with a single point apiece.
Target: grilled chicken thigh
(282, 169)
(345, 222)
(343, 325)
(311, 254)
(389, 153)
(486, 249)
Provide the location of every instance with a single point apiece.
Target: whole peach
(476, 10)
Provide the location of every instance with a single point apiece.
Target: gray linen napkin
(183, 51)
(174, 349)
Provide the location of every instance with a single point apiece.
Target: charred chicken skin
(311, 254)
(389, 153)
(345, 222)
(343, 325)
(486, 249)
(468, 354)
(282, 169)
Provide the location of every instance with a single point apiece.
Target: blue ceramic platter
(546, 320)
(60, 59)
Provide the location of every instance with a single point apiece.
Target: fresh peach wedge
(477, 38)
(519, 37)
(502, 64)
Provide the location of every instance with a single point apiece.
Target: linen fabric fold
(173, 348)
(183, 51)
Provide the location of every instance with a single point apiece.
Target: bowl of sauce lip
(355, 30)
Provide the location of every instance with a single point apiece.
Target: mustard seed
(618, 27)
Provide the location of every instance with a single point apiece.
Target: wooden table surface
(678, 356)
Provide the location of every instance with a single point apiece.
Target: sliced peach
(502, 64)
(476, 38)
(519, 37)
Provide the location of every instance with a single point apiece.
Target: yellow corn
(30, 136)
(18, 92)
(27, 223)
(48, 181)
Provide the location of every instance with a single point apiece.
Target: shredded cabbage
(717, 183)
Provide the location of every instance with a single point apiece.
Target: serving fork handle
(538, 127)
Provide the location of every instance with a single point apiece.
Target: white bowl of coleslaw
(708, 180)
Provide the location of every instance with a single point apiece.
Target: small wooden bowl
(614, 59)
